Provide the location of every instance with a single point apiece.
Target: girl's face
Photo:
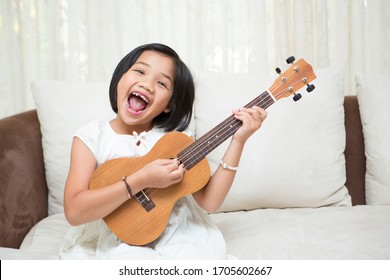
(144, 92)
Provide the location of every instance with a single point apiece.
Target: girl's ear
(167, 110)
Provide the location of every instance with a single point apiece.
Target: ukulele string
(215, 136)
(280, 84)
(230, 125)
(216, 132)
(184, 160)
(218, 135)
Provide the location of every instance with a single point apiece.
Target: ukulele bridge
(144, 201)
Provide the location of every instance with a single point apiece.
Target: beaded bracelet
(225, 166)
(127, 187)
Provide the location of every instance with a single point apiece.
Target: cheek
(168, 102)
(122, 89)
(126, 80)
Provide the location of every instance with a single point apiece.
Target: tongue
(137, 104)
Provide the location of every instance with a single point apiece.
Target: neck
(122, 128)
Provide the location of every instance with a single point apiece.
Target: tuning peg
(297, 96)
(278, 71)
(310, 87)
(290, 60)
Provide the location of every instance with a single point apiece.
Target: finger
(247, 114)
(167, 162)
(177, 175)
(263, 113)
(177, 166)
(257, 113)
(251, 110)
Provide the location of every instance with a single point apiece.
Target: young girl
(152, 92)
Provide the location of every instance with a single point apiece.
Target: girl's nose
(146, 85)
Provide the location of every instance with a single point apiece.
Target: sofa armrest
(23, 188)
(354, 151)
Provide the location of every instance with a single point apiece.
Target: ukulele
(143, 218)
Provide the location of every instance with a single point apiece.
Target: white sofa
(289, 199)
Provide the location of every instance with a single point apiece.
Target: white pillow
(374, 102)
(63, 107)
(297, 158)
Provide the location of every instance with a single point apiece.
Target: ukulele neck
(197, 151)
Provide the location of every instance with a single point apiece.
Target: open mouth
(137, 102)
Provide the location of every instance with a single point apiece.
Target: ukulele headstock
(299, 74)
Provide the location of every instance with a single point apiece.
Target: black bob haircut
(180, 105)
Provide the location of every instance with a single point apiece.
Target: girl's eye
(139, 71)
(162, 84)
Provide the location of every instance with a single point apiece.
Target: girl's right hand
(162, 173)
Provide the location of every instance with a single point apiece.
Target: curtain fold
(85, 39)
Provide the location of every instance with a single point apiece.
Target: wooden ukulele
(143, 218)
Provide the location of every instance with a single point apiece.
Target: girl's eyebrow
(146, 64)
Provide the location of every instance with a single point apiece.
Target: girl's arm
(211, 197)
(82, 205)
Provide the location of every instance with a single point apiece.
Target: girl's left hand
(252, 119)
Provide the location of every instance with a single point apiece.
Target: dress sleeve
(89, 135)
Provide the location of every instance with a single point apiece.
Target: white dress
(190, 233)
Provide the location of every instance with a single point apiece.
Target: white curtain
(85, 39)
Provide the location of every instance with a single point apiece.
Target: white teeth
(140, 96)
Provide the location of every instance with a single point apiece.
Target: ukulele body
(131, 222)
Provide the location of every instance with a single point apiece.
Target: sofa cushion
(62, 108)
(296, 159)
(374, 103)
(327, 233)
